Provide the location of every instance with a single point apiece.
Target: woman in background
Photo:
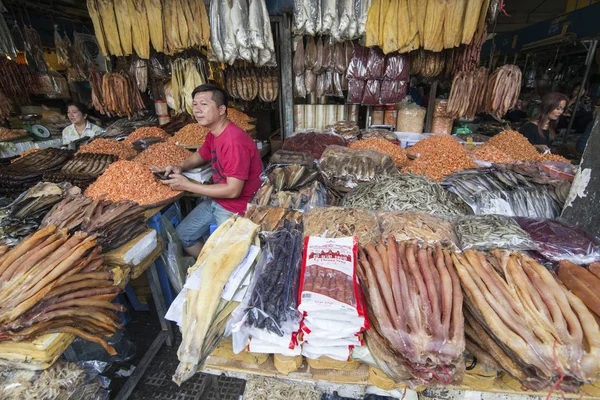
(541, 129)
(80, 127)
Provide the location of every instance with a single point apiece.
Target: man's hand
(177, 181)
(171, 169)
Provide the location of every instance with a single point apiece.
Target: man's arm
(230, 190)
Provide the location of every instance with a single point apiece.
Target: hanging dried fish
(139, 25)
(63, 48)
(139, 69)
(35, 51)
(7, 45)
(125, 20)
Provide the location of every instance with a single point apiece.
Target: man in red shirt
(236, 166)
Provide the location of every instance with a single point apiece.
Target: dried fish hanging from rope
(125, 23)
(63, 48)
(186, 75)
(35, 51)
(81, 60)
(120, 95)
(17, 81)
(7, 46)
(139, 70)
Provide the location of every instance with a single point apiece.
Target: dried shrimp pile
(190, 135)
(383, 146)
(239, 118)
(129, 180)
(514, 145)
(10, 134)
(108, 146)
(147, 132)
(490, 153)
(554, 157)
(162, 155)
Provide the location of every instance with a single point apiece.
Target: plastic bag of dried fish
(290, 170)
(486, 232)
(345, 168)
(422, 227)
(302, 199)
(337, 222)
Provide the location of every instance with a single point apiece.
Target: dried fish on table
(484, 232)
(425, 228)
(303, 198)
(272, 218)
(124, 126)
(341, 222)
(406, 192)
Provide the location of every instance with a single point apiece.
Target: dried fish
(486, 232)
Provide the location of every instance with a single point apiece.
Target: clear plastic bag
(299, 87)
(345, 168)
(486, 232)
(558, 240)
(375, 63)
(310, 81)
(442, 125)
(372, 92)
(322, 84)
(329, 83)
(337, 85)
(284, 157)
(291, 176)
(357, 68)
(494, 202)
(327, 55)
(356, 90)
(337, 222)
(396, 67)
(175, 262)
(339, 58)
(410, 118)
(392, 92)
(318, 67)
(310, 56)
(299, 57)
(414, 226)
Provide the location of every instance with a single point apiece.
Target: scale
(461, 127)
(36, 131)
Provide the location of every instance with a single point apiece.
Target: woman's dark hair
(80, 106)
(219, 96)
(550, 102)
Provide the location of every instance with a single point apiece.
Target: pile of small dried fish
(113, 223)
(124, 126)
(27, 171)
(53, 282)
(302, 198)
(340, 222)
(485, 232)
(23, 216)
(406, 192)
(272, 218)
(426, 228)
(500, 190)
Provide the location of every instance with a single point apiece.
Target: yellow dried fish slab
(98, 28)
(106, 11)
(372, 35)
(205, 26)
(472, 15)
(124, 25)
(155, 24)
(141, 34)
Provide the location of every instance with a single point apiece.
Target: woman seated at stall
(541, 129)
(80, 127)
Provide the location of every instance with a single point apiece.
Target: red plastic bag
(392, 92)
(356, 89)
(397, 67)
(357, 69)
(375, 64)
(372, 92)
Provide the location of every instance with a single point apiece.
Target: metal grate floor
(157, 384)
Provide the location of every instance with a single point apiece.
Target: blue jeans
(197, 223)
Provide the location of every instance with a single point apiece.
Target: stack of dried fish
(406, 25)
(343, 20)
(123, 27)
(415, 307)
(124, 126)
(289, 177)
(499, 190)
(521, 320)
(83, 169)
(205, 313)
(467, 93)
(249, 83)
(503, 89)
(302, 198)
(28, 170)
(113, 223)
(406, 192)
(23, 216)
(117, 96)
(272, 218)
(56, 283)
(241, 29)
(139, 70)
(187, 74)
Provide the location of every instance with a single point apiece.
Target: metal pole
(286, 87)
(588, 65)
(431, 106)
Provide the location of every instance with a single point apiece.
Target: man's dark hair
(80, 106)
(219, 96)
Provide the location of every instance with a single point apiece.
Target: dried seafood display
(17, 81)
(415, 306)
(146, 132)
(23, 216)
(205, 313)
(345, 168)
(404, 226)
(129, 180)
(288, 177)
(112, 223)
(272, 218)
(116, 94)
(191, 135)
(527, 322)
(85, 167)
(250, 83)
(486, 232)
(162, 155)
(11, 134)
(54, 282)
(241, 30)
(491, 154)
(124, 126)
(312, 142)
(123, 27)
(583, 283)
(6, 106)
(340, 222)
(406, 192)
(467, 57)
(186, 75)
(503, 89)
(27, 171)
(384, 146)
(515, 145)
(108, 146)
(342, 21)
(302, 198)
(467, 93)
